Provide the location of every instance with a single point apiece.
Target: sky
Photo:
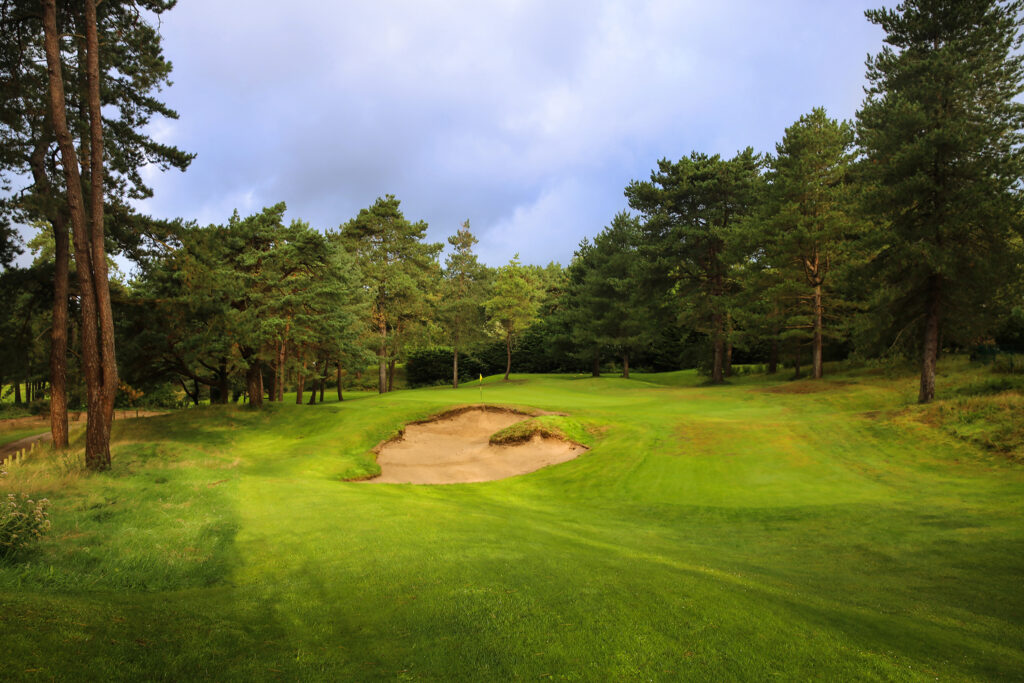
(526, 118)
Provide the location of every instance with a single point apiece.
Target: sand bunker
(455, 448)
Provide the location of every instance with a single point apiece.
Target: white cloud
(516, 114)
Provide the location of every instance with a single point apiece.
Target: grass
(746, 532)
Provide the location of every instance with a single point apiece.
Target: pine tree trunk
(773, 357)
(340, 397)
(727, 362)
(391, 374)
(312, 391)
(300, 384)
(323, 379)
(508, 353)
(17, 392)
(625, 365)
(222, 382)
(716, 364)
(797, 372)
(382, 360)
(719, 349)
(930, 350)
(59, 328)
(819, 369)
(254, 384)
(98, 362)
(272, 389)
(455, 369)
(281, 358)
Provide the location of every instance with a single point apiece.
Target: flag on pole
(481, 387)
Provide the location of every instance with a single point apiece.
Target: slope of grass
(738, 532)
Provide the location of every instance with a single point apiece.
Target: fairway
(747, 532)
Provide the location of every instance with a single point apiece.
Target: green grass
(761, 530)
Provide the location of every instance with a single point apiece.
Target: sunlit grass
(753, 531)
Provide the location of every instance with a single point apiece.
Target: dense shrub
(23, 522)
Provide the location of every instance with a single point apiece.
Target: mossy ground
(745, 532)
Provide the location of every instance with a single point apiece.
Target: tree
(460, 309)
(63, 93)
(398, 269)
(608, 306)
(513, 304)
(581, 300)
(691, 209)
(805, 217)
(941, 134)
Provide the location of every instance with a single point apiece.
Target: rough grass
(545, 426)
(710, 533)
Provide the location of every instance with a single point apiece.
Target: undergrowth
(991, 421)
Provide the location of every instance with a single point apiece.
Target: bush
(23, 522)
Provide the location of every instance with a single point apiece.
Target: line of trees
(900, 231)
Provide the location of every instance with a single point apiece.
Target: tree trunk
(17, 392)
(254, 385)
(727, 362)
(382, 362)
(508, 353)
(817, 358)
(195, 390)
(773, 357)
(340, 398)
(595, 369)
(222, 382)
(98, 361)
(717, 376)
(272, 389)
(930, 348)
(300, 384)
(455, 369)
(312, 391)
(625, 365)
(391, 374)
(281, 359)
(59, 328)
(797, 372)
(323, 379)
(719, 349)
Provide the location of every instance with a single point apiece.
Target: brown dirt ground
(455, 449)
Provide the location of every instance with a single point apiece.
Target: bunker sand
(456, 449)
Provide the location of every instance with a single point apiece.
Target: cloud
(526, 117)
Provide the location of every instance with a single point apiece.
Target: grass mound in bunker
(457, 447)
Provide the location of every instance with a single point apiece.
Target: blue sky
(527, 118)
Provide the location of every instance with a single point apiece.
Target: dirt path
(15, 446)
(456, 449)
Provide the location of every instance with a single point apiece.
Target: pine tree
(460, 309)
(399, 269)
(513, 304)
(805, 216)
(940, 131)
(691, 210)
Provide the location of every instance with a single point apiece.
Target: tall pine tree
(940, 131)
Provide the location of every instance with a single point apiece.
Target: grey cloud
(528, 118)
